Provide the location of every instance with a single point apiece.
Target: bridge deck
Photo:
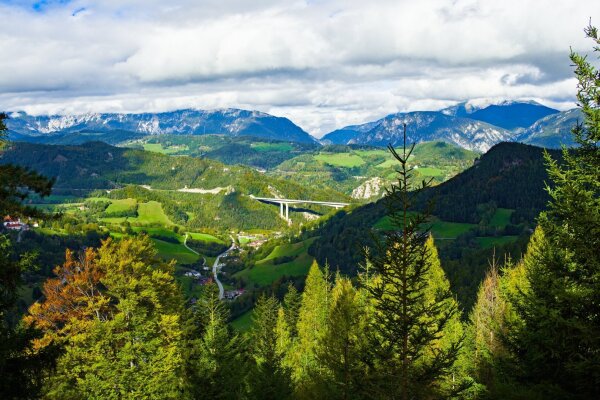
(295, 201)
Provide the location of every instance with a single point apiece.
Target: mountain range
(469, 125)
(230, 122)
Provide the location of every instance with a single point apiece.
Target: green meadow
(347, 160)
(266, 271)
(439, 229)
(501, 217)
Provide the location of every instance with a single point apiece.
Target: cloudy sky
(322, 63)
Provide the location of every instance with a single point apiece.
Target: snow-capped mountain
(231, 122)
(474, 125)
(552, 131)
(505, 114)
(424, 126)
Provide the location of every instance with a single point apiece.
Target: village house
(14, 224)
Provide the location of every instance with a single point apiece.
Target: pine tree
(292, 302)
(284, 337)
(311, 324)
(486, 327)
(216, 364)
(411, 313)
(556, 336)
(269, 378)
(342, 348)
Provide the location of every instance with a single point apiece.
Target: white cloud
(322, 63)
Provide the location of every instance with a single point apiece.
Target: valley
(193, 191)
(193, 196)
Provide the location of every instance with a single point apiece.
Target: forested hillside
(511, 177)
(96, 165)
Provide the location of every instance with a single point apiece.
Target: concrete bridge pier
(284, 214)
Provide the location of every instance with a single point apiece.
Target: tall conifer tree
(217, 362)
(411, 314)
(269, 378)
(311, 324)
(342, 347)
(556, 338)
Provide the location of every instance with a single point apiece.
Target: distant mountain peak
(507, 114)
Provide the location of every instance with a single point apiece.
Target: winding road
(215, 268)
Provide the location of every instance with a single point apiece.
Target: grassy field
(204, 237)
(488, 242)
(158, 148)
(272, 147)
(265, 271)
(120, 205)
(388, 164)
(430, 171)
(115, 220)
(449, 230)
(292, 249)
(372, 153)
(346, 160)
(243, 322)
(152, 213)
(440, 229)
(501, 218)
(178, 252)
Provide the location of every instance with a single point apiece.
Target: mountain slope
(470, 125)
(508, 180)
(425, 126)
(96, 165)
(511, 175)
(507, 114)
(553, 130)
(348, 133)
(230, 122)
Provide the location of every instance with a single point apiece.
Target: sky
(324, 64)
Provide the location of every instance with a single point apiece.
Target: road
(215, 268)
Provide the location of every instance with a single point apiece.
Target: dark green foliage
(211, 249)
(509, 175)
(16, 185)
(217, 363)
(465, 263)
(22, 370)
(555, 340)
